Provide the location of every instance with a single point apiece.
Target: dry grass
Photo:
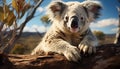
(107, 40)
(26, 44)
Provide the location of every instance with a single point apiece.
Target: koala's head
(74, 16)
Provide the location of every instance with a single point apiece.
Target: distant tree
(13, 18)
(100, 35)
(45, 19)
(117, 40)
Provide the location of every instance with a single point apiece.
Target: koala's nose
(74, 23)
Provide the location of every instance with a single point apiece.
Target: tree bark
(117, 40)
(107, 57)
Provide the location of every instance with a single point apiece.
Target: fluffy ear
(93, 7)
(56, 9)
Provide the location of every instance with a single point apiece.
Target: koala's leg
(60, 46)
(88, 44)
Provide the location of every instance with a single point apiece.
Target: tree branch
(15, 37)
(29, 17)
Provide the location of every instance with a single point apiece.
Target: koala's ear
(93, 7)
(56, 8)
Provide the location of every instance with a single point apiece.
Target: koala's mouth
(74, 30)
(74, 27)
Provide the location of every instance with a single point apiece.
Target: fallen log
(107, 57)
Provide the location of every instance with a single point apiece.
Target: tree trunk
(117, 40)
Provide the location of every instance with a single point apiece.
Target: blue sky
(107, 22)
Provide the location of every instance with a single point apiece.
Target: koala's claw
(72, 54)
(87, 49)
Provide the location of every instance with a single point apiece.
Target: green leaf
(1, 14)
(15, 6)
(45, 19)
(10, 19)
(26, 8)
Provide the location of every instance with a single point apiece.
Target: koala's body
(70, 33)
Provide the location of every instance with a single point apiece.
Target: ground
(107, 57)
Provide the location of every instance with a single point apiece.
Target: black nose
(74, 23)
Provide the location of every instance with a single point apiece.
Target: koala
(69, 33)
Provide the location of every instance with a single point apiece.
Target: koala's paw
(72, 54)
(86, 49)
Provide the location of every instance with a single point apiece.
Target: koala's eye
(81, 18)
(66, 18)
